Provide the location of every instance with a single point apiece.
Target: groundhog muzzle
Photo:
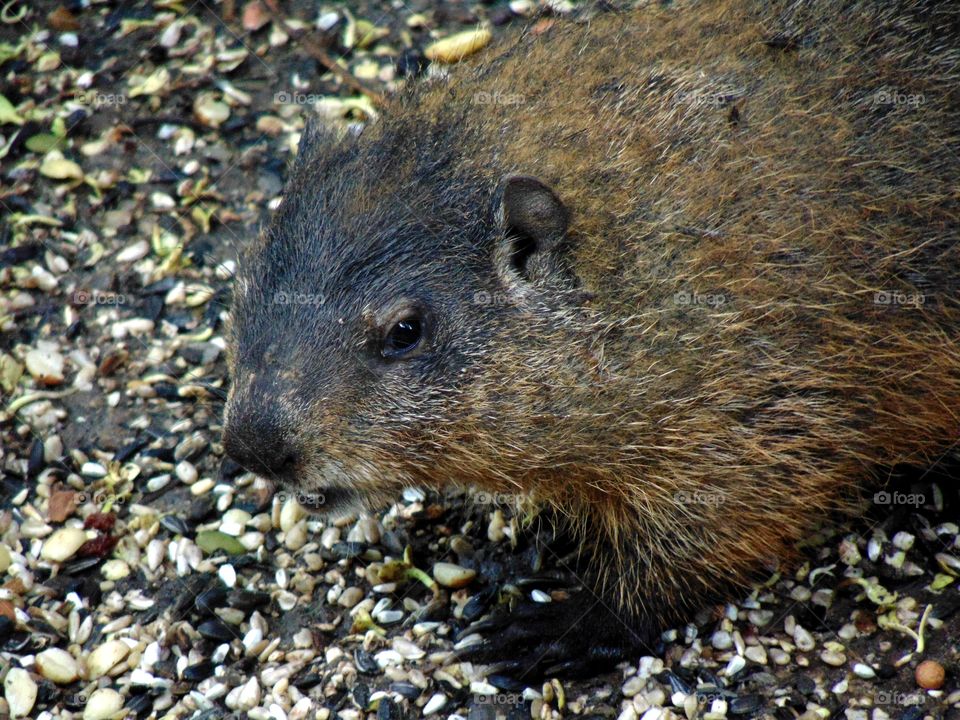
(687, 278)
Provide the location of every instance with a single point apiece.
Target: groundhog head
(389, 320)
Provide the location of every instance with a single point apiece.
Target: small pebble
(722, 640)
(930, 675)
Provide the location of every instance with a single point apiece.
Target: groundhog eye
(403, 337)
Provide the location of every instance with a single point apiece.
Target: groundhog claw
(576, 637)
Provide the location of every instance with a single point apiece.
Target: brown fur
(723, 149)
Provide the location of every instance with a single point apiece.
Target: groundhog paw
(577, 637)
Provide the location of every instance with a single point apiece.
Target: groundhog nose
(262, 446)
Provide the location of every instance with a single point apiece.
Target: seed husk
(103, 704)
(456, 47)
(452, 576)
(20, 692)
(63, 544)
(105, 657)
(57, 665)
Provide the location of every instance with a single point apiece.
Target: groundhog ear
(534, 220)
(312, 137)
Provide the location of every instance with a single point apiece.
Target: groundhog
(686, 276)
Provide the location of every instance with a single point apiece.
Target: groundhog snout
(261, 441)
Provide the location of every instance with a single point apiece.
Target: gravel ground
(145, 575)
